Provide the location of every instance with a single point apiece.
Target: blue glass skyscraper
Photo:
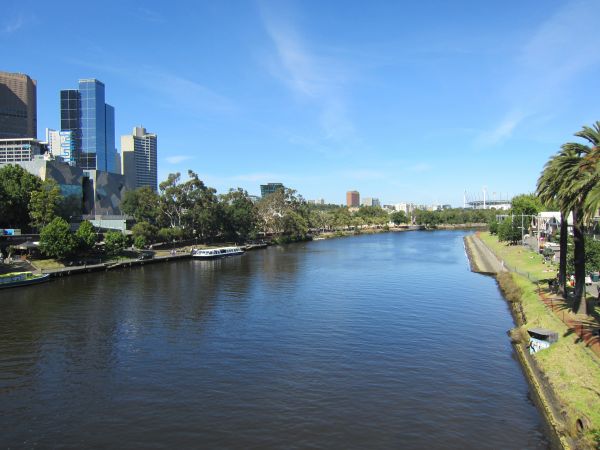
(92, 121)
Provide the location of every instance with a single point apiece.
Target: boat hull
(36, 280)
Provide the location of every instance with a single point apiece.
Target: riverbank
(564, 378)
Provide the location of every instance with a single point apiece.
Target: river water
(376, 341)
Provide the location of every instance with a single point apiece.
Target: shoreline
(481, 258)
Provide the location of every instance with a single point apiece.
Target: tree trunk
(562, 265)
(579, 302)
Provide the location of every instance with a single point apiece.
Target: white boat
(16, 279)
(214, 253)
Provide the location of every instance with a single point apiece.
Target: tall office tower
(85, 112)
(138, 159)
(352, 199)
(269, 188)
(18, 106)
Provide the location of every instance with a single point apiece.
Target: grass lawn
(47, 264)
(573, 370)
(520, 257)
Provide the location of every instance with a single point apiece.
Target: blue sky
(405, 101)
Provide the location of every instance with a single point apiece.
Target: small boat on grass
(16, 279)
(214, 253)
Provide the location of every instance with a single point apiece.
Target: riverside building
(18, 106)
(91, 120)
(270, 188)
(138, 159)
(352, 199)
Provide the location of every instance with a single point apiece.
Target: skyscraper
(352, 199)
(270, 188)
(85, 112)
(18, 106)
(138, 153)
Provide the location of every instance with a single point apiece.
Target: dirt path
(482, 259)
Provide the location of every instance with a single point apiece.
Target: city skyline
(402, 102)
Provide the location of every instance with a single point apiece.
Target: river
(374, 341)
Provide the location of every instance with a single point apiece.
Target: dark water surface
(382, 341)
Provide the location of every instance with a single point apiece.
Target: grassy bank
(570, 369)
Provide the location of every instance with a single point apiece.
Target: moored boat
(16, 279)
(214, 253)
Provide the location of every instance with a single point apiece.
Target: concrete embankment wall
(484, 261)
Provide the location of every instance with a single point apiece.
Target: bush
(57, 240)
(114, 242)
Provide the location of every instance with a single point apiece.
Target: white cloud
(177, 159)
(558, 51)
(14, 25)
(176, 92)
(316, 78)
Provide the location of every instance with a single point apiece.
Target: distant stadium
(482, 200)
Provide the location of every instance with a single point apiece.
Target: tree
(577, 167)
(142, 204)
(398, 217)
(85, 236)
(57, 240)
(143, 234)
(528, 204)
(550, 187)
(44, 203)
(239, 215)
(16, 186)
(509, 230)
(114, 242)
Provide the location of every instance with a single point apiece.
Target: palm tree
(582, 177)
(549, 186)
(572, 179)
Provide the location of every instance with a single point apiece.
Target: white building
(370, 201)
(138, 159)
(61, 145)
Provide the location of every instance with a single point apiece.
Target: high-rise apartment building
(92, 121)
(138, 159)
(270, 188)
(18, 106)
(61, 145)
(352, 199)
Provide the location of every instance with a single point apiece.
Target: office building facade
(370, 201)
(352, 199)
(269, 188)
(20, 150)
(85, 113)
(138, 159)
(18, 106)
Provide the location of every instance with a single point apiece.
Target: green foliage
(592, 256)
(494, 226)
(144, 234)
(57, 240)
(16, 186)
(509, 231)
(526, 204)
(86, 236)
(44, 203)
(139, 241)
(239, 216)
(398, 217)
(170, 234)
(114, 242)
(142, 204)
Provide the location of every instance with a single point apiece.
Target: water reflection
(375, 341)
